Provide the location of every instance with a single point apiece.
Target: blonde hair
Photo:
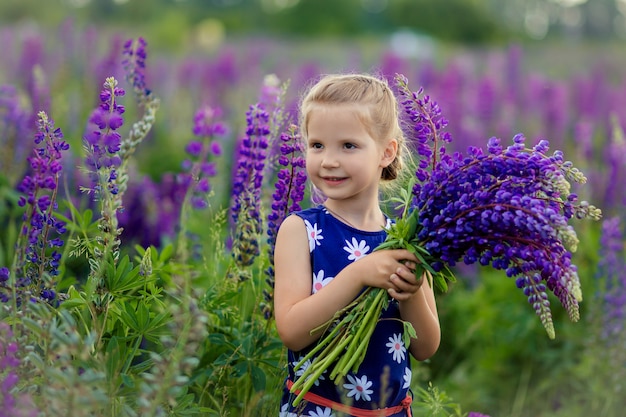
(381, 120)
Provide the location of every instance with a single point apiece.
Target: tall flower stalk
(102, 144)
(508, 208)
(14, 126)
(611, 272)
(288, 193)
(17, 404)
(37, 257)
(134, 64)
(199, 167)
(247, 183)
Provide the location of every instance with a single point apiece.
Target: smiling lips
(333, 180)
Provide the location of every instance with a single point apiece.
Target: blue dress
(384, 377)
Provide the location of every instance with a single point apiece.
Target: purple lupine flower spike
(102, 140)
(426, 125)
(611, 267)
(38, 257)
(14, 126)
(288, 193)
(247, 182)
(207, 128)
(135, 64)
(13, 403)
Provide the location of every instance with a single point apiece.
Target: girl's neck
(367, 219)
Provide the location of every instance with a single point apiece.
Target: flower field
(141, 191)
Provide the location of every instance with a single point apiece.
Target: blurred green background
(464, 21)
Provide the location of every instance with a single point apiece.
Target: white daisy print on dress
(321, 412)
(407, 377)
(284, 412)
(303, 368)
(356, 249)
(314, 234)
(319, 281)
(359, 388)
(396, 347)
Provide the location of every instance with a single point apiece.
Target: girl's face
(342, 159)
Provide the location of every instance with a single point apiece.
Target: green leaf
(129, 317)
(409, 332)
(258, 378)
(241, 368)
(128, 381)
(113, 352)
(166, 253)
(125, 277)
(75, 299)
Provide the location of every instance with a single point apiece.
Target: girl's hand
(405, 284)
(390, 269)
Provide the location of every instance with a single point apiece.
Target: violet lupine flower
(12, 403)
(426, 125)
(611, 267)
(135, 64)
(207, 128)
(615, 160)
(109, 64)
(32, 76)
(475, 414)
(271, 92)
(14, 126)
(151, 212)
(103, 141)
(288, 193)
(507, 208)
(247, 182)
(37, 255)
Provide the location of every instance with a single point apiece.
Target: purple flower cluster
(14, 125)
(12, 403)
(508, 208)
(134, 63)
(252, 153)
(37, 255)
(103, 141)
(207, 128)
(247, 183)
(152, 210)
(425, 127)
(289, 192)
(611, 268)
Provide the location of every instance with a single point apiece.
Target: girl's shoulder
(311, 213)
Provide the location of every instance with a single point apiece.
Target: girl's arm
(298, 311)
(420, 309)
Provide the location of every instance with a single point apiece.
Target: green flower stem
(327, 342)
(369, 321)
(356, 357)
(310, 378)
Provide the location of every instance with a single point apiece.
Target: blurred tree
(456, 20)
(465, 21)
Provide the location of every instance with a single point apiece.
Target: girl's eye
(316, 145)
(349, 146)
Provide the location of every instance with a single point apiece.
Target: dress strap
(354, 411)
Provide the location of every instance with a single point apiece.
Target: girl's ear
(389, 153)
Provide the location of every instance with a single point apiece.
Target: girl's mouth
(333, 180)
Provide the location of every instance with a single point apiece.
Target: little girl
(324, 256)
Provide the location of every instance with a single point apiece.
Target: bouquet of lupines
(506, 207)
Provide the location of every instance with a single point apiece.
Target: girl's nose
(329, 161)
